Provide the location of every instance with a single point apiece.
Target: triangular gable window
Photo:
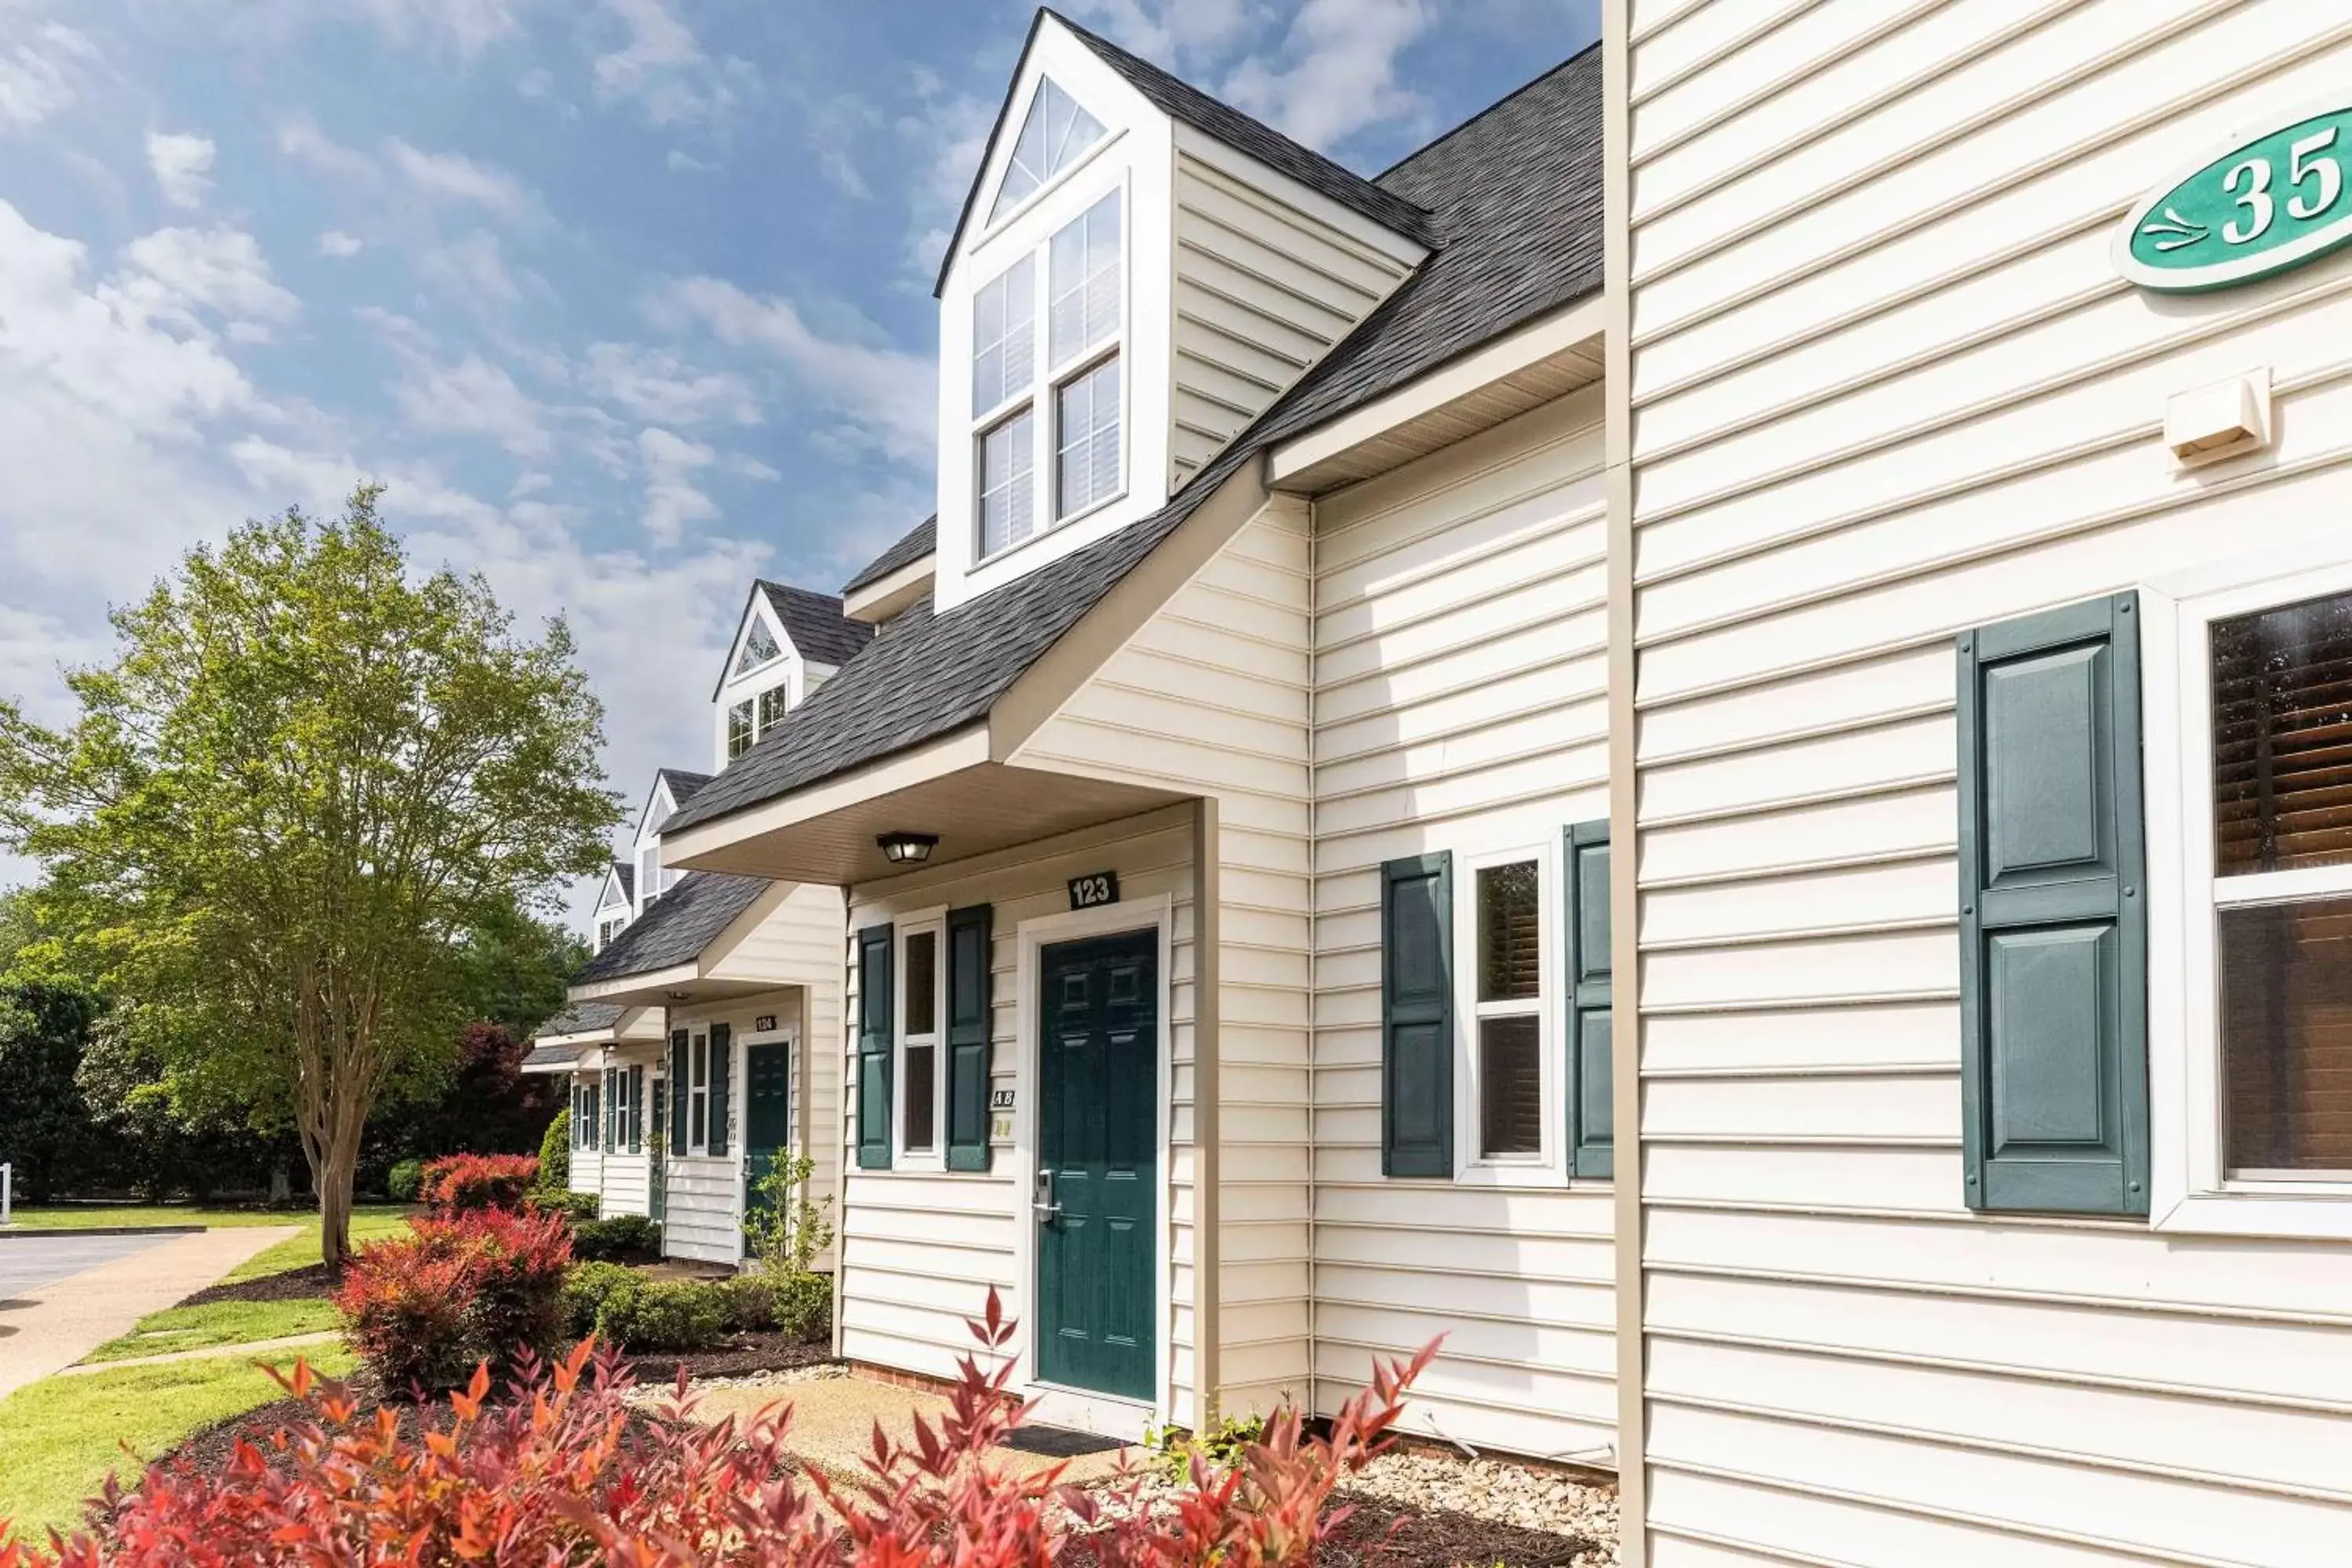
(758, 648)
(1057, 131)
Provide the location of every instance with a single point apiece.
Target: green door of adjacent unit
(1098, 1161)
(658, 1147)
(768, 1119)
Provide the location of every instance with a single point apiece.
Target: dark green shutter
(873, 1012)
(675, 1132)
(612, 1112)
(723, 1081)
(969, 1020)
(1592, 1113)
(636, 1110)
(2053, 916)
(1417, 1016)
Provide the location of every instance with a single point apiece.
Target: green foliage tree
(306, 777)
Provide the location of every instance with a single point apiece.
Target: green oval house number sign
(2272, 201)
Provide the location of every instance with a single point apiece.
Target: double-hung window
(1506, 1012)
(2251, 1050)
(649, 876)
(1074, 429)
(922, 973)
(739, 729)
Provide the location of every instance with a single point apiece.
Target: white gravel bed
(651, 1393)
(1498, 1492)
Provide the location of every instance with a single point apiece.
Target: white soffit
(1547, 358)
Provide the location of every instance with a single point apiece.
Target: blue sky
(627, 301)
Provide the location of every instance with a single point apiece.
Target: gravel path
(1501, 1493)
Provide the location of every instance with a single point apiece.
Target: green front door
(768, 1119)
(1097, 1161)
(658, 1146)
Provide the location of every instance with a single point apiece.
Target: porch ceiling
(974, 809)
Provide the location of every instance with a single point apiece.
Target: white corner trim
(1031, 937)
(1514, 352)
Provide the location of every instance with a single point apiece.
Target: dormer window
(1078, 285)
(758, 647)
(739, 729)
(1052, 138)
(649, 876)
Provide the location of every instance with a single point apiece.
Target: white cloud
(472, 268)
(300, 139)
(41, 65)
(885, 397)
(177, 276)
(337, 244)
(1178, 31)
(475, 397)
(671, 498)
(661, 66)
(464, 26)
(455, 178)
(948, 135)
(183, 165)
(657, 386)
(1339, 71)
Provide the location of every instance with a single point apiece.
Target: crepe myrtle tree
(307, 774)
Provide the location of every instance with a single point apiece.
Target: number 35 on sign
(2271, 199)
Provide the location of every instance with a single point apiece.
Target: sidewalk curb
(17, 1232)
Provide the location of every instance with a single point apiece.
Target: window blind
(2283, 738)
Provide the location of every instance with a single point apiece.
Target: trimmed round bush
(405, 1181)
(577, 1207)
(616, 1235)
(423, 1309)
(586, 1288)
(664, 1315)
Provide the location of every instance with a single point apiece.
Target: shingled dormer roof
(1514, 199)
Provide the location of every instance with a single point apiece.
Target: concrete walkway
(833, 1417)
(249, 1350)
(50, 1328)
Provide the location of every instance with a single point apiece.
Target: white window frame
(933, 920)
(1547, 1166)
(607, 928)
(2189, 1190)
(993, 222)
(1046, 380)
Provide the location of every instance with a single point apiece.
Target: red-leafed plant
(566, 1472)
(423, 1310)
(467, 1184)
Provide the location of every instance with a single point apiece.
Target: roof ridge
(1458, 128)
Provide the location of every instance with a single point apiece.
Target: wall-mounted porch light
(906, 848)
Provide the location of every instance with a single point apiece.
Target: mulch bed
(743, 1355)
(292, 1284)
(1379, 1534)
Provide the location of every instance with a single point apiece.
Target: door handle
(1044, 1203)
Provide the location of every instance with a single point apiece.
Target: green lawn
(368, 1223)
(71, 1216)
(218, 1323)
(59, 1437)
(244, 1322)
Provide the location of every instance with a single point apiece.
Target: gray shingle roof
(913, 545)
(815, 624)
(579, 1018)
(682, 922)
(684, 785)
(1182, 100)
(546, 1058)
(1515, 197)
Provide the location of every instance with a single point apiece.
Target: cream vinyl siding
(1460, 677)
(588, 1171)
(1210, 698)
(1886, 385)
(799, 944)
(705, 1196)
(919, 1249)
(1263, 290)
(624, 1185)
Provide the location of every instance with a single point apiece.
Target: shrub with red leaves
(423, 1310)
(567, 1473)
(468, 1183)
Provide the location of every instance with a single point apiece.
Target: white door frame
(1108, 1414)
